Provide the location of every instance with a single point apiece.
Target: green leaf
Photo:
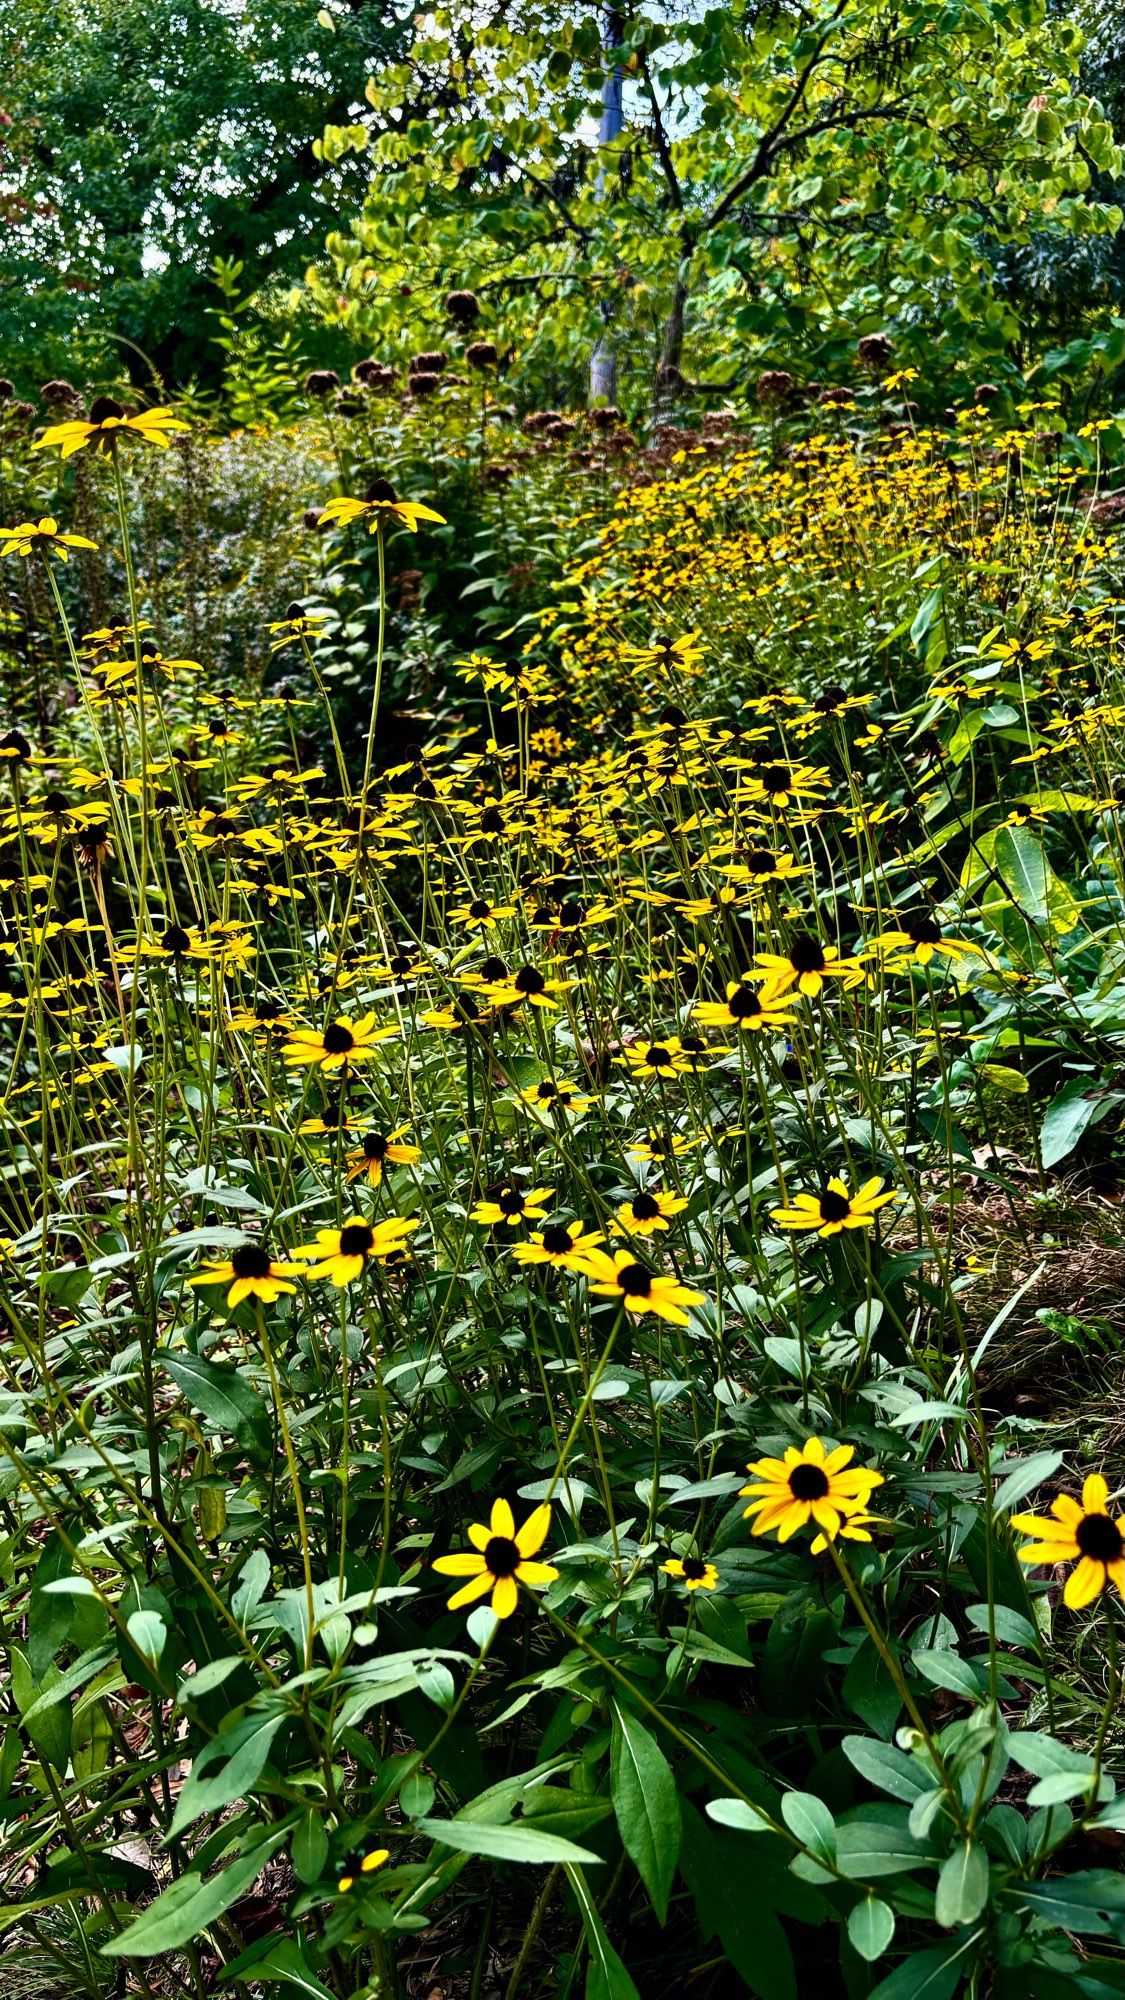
(218, 1391)
(514, 1842)
(47, 1725)
(926, 1975)
(1022, 867)
(242, 1752)
(962, 1888)
(871, 1926)
(1024, 1478)
(809, 1819)
(607, 1978)
(50, 1614)
(187, 1909)
(890, 1769)
(1065, 1120)
(308, 1849)
(736, 1813)
(644, 1799)
(947, 1670)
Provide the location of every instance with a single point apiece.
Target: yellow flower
(380, 505)
(375, 1151)
(834, 1209)
(746, 1008)
(640, 1290)
(808, 1485)
(692, 1572)
(513, 1206)
(107, 421)
(920, 936)
(367, 1866)
(41, 537)
(343, 1254)
(502, 1559)
(251, 1274)
(342, 1041)
(1086, 1535)
(664, 1058)
(565, 1245)
(807, 965)
(650, 1210)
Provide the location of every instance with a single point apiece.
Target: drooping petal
(536, 1573)
(505, 1597)
(1084, 1583)
(479, 1587)
(531, 1537)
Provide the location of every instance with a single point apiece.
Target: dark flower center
(694, 1570)
(634, 1281)
(250, 1261)
(645, 1207)
(744, 1004)
(493, 969)
(808, 1482)
(761, 862)
(374, 1146)
(492, 820)
(557, 1239)
(529, 980)
(356, 1239)
(510, 1201)
(502, 1557)
(1099, 1537)
(658, 1057)
(338, 1040)
(922, 930)
(380, 489)
(776, 779)
(175, 941)
(546, 1091)
(834, 1207)
(56, 802)
(479, 908)
(806, 954)
(571, 916)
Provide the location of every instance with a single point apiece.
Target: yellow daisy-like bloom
(692, 1572)
(379, 507)
(834, 1209)
(367, 1866)
(747, 1009)
(107, 421)
(808, 1485)
(41, 537)
(640, 1290)
(341, 1042)
(528, 984)
(1086, 1535)
(502, 1559)
(855, 1529)
(807, 965)
(344, 1254)
(251, 1273)
(513, 1206)
(650, 1211)
(654, 1059)
(376, 1151)
(555, 1094)
(920, 938)
(568, 1246)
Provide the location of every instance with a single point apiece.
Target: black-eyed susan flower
(812, 1484)
(354, 1876)
(650, 1210)
(502, 1558)
(107, 423)
(746, 1008)
(512, 1205)
(342, 1041)
(43, 537)
(376, 1151)
(663, 1058)
(834, 1209)
(806, 965)
(555, 1094)
(640, 1290)
(526, 984)
(568, 1246)
(250, 1273)
(919, 937)
(344, 1254)
(692, 1571)
(1085, 1534)
(379, 507)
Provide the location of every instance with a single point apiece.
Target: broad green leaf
(606, 1977)
(810, 1821)
(962, 1887)
(1022, 867)
(871, 1926)
(1066, 1119)
(736, 1813)
(187, 1909)
(221, 1393)
(514, 1842)
(645, 1802)
(240, 1753)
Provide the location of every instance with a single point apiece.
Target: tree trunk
(668, 382)
(603, 360)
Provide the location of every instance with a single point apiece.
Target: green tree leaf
(643, 1789)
